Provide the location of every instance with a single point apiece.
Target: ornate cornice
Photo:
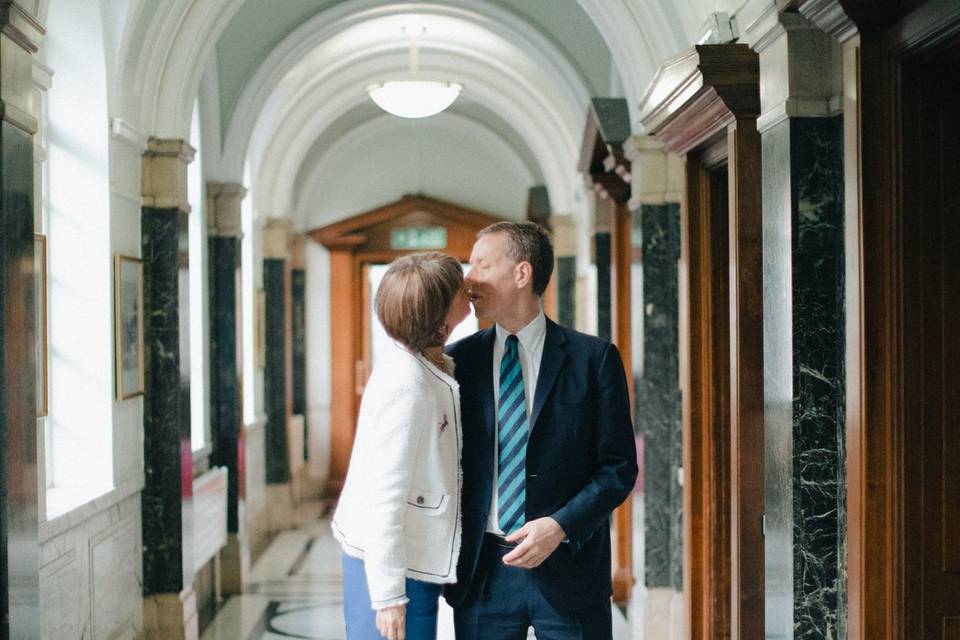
(830, 17)
(20, 25)
(695, 95)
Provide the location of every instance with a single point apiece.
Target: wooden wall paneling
(704, 358)
(621, 262)
(746, 380)
(343, 327)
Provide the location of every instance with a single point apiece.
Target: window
(78, 439)
(199, 345)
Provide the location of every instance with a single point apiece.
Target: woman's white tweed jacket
(399, 510)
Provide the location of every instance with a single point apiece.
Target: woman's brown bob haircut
(415, 296)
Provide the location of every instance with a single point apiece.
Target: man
(548, 454)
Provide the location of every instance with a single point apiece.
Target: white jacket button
(419, 499)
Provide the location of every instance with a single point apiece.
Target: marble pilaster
(802, 142)
(565, 247)
(19, 548)
(601, 253)
(276, 256)
(226, 337)
(298, 305)
(657, 183)
(538, 206)
(167, 544)
(658, 395)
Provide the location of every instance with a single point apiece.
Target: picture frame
(260, 329)
(42, 333)
(128, 326)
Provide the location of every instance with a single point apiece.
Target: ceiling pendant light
(414, 98)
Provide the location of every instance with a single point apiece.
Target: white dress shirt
(530, 340)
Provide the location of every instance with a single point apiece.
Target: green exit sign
(418, 238)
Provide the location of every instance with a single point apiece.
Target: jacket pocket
(429, 531)
(427, 501)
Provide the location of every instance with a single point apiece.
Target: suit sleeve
(616, 454)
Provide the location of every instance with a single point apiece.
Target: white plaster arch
(639, 39)
(314, 172)
(300, 50)
(545, 133)
(162, 60)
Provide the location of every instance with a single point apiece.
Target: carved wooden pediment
(695, 95)
(361, 229)
(602, 159)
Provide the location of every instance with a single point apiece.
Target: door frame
(703, 105)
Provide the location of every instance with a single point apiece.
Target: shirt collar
(529, 335)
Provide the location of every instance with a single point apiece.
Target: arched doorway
(358, 245)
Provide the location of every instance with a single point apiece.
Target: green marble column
(804, 324)
(226, 338)
(276, 254)
(167, 452)
(298, 329)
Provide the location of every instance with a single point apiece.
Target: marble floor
(295, 591)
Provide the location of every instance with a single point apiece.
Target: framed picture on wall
(260, 329)
(128, 326)
(40, 284)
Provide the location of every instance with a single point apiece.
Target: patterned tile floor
(295, 591)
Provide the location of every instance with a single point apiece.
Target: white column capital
(224, 218)
(657, 175)
(564, 231)
(164, 174)
(276, 238)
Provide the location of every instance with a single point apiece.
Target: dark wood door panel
(932, 359)
(950, 426)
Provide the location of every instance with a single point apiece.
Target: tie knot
(512, 341)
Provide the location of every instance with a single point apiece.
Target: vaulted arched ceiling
(290, 81)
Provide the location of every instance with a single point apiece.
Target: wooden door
(931, 346)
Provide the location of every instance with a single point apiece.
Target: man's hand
(392, 622)
(538, 539)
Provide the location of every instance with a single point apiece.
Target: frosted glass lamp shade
(414, 98)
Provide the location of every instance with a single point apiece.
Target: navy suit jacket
(581, 459)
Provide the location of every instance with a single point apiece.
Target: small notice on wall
(418, 238)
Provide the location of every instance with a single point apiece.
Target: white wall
(90, 540)
(437, 157)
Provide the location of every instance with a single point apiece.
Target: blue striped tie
(512, 439)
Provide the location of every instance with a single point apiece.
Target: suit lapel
(485, 370)
(552, 361)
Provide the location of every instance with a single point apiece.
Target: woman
(398, 519)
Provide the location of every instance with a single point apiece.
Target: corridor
(295, 590)
(680, 275)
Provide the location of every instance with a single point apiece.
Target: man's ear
(523, 274)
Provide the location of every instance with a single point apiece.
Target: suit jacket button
(419, 499)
